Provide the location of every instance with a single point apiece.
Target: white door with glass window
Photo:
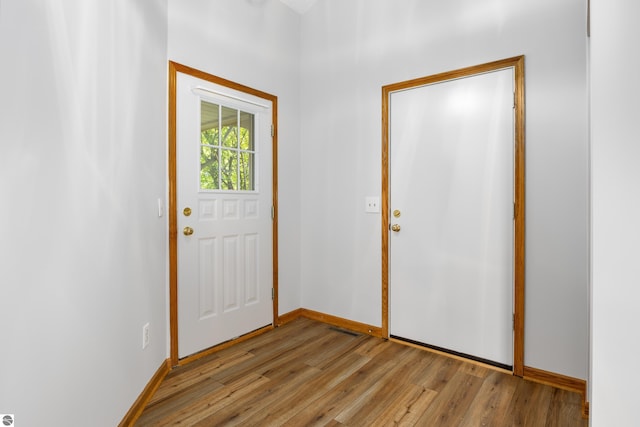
(451, 200)
(224, 201)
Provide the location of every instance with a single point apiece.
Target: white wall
(350, 49)
(255, 43)
(615, 91)
(82, 251)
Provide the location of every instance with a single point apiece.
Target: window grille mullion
(238, 182)
(219, 147)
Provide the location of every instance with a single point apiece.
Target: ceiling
(300, 6)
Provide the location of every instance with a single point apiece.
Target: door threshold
(221, 346)
(452, 353)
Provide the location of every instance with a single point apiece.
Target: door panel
(224, 195)
(452, 183)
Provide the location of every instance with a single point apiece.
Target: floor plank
(307, 373)
(492, 401)
(452, 402)
(349, 391)
(313, 390)
(407, 407)
(529, 405)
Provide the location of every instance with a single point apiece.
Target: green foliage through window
(227, 152)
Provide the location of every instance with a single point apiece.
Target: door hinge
(273, 294)
(513, 322)
(273, 212)
(514, 100)
(273, 131)
(514, 210)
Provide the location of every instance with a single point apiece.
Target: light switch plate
(372, 204)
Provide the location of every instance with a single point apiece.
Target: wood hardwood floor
(309, 373)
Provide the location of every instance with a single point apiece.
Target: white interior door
(452, 185)
(224, 198)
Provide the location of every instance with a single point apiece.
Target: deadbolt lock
(396, 213)
(186, 211)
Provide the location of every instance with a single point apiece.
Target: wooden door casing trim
(174, 69)
(517, 63)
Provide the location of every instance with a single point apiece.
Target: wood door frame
(174, 69)
(517, 63)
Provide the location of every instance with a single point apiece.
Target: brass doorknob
(395, 227)
(188, 231)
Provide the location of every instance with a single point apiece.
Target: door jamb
(519, 191)
(175, 68)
